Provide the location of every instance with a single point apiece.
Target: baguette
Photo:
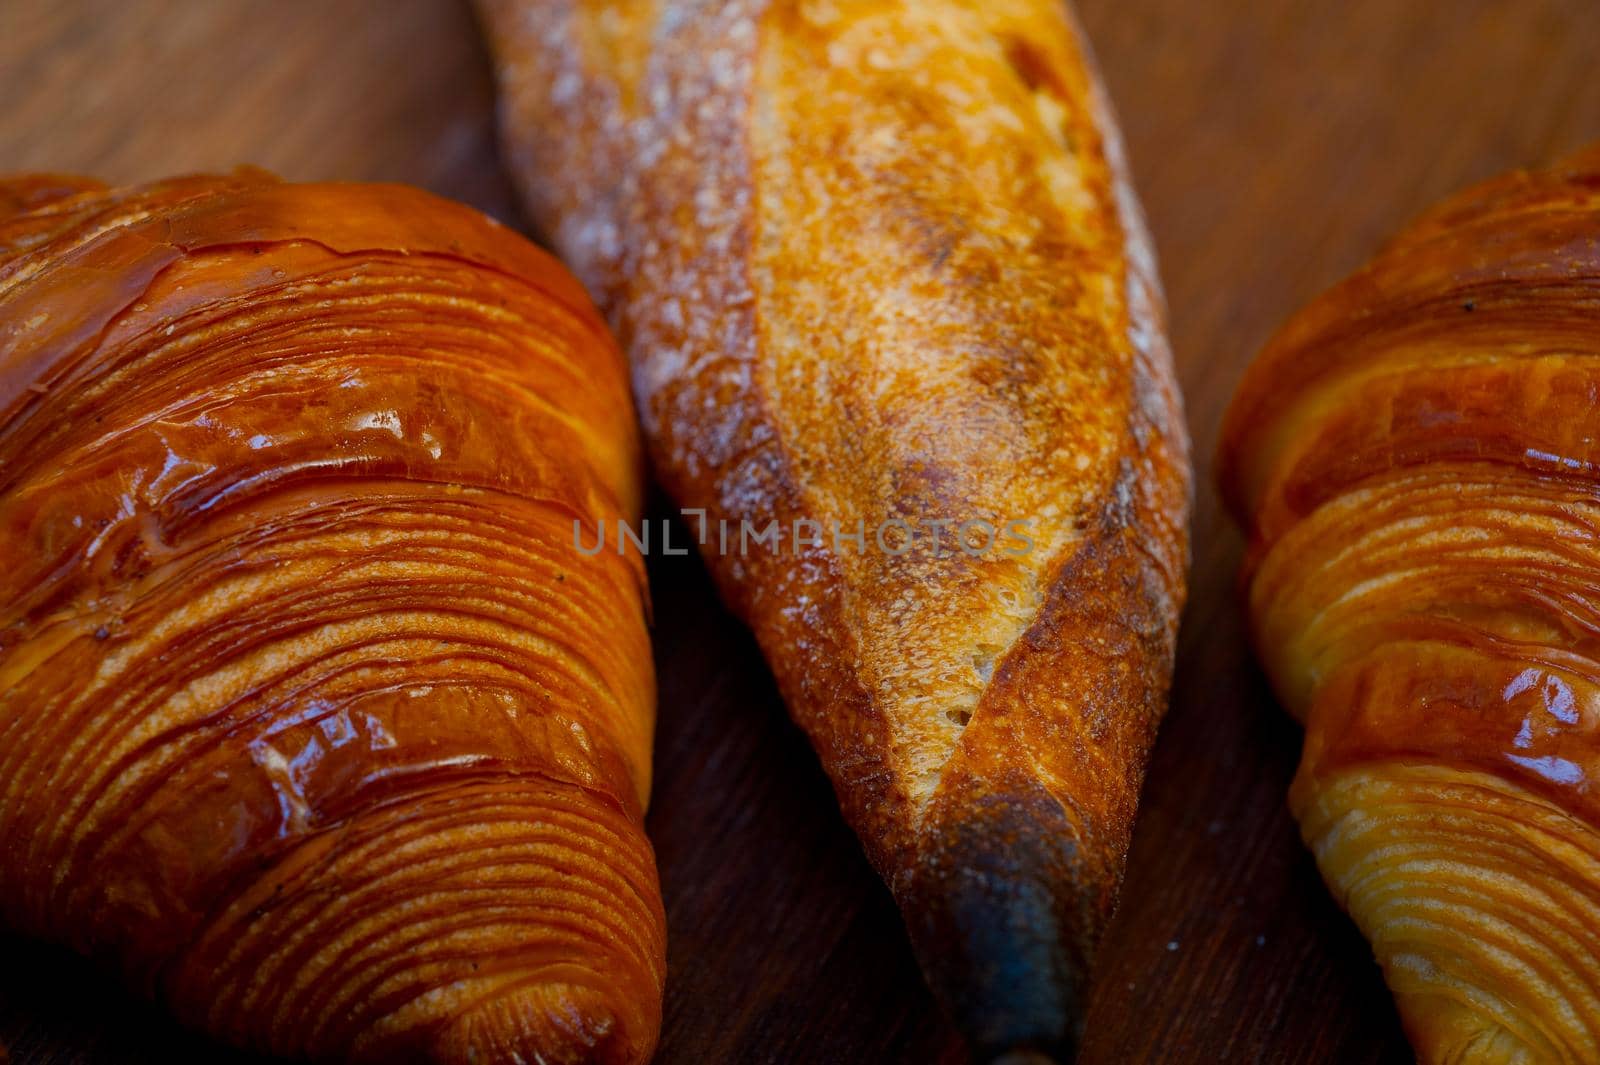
(878, 267)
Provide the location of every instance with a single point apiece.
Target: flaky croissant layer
(1416, 457)
(312, 720)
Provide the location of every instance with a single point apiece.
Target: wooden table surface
(1275, 143)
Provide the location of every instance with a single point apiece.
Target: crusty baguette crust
(312, 720)
(875, 261)
(1414, 457)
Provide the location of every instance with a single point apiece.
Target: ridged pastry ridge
(312, 719)
(1414, 457)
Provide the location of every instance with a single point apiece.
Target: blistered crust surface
(878, 261)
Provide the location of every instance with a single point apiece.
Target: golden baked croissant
(878, 267)
(312, 720)
(1415, 459)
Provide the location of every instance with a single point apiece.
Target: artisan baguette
(878, 267)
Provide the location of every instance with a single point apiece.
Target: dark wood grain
(1276, 143)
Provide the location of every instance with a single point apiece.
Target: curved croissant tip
(557, 1023)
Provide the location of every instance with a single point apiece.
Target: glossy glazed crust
(1415, 459)
(312, 718)
(879, 261)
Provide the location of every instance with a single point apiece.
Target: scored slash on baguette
(878, 261)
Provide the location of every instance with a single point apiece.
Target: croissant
(1415, 461)
(312, 720)
(889, 301)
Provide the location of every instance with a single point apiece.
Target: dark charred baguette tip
(1004, 939)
